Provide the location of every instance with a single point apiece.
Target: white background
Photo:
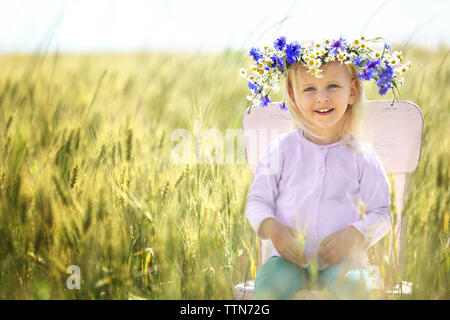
(126, 25)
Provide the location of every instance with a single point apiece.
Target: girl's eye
(308, 89)
(332, 86)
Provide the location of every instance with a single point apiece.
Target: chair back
(395, 132)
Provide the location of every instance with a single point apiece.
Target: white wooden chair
(395, 132)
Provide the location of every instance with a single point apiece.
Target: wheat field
(87, 178)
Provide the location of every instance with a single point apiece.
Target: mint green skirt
(279, 279)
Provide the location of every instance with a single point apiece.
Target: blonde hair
(354, 124)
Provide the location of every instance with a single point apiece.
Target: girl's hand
(338, 246)
(285, 241)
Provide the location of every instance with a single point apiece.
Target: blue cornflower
(276, 60)
(283, 106)
(264, 101)
(253, 86)
(387, 47)
(367, 74)
(254, 52)
(290, 60)
(280, 43)
(384, 88)
(384, 81)
(280, 62)
(385, 76)
(358, 61)
(292, 51)
(372, 64)
(338, 45)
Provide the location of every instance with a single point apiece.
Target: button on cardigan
(317, 189)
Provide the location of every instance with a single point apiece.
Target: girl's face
(335, 90)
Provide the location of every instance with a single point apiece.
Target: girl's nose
(322, 97)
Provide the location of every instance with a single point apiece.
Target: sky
(200, 25)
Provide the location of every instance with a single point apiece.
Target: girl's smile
(324, 111)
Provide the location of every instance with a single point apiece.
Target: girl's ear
(353, 91)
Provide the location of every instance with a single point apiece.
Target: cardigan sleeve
(375, 193)
(264, 188)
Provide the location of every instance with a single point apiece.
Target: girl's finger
(327, 248)
(294, 232)
(326, 239)
(296, 247)
(341, 252)
(288, 256)
(297, 235)
(304, 259)
(296, 242)
(329, 257)
(296, 254)
(339, 256)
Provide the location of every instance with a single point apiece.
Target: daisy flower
(356, 43)
(315, 72)
(393, 61)
(330, 57)
(243, 73)
(311, 63)
(398, 55)
(402, 68)
(376, 54)
(341, 56)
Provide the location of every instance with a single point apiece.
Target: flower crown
(373, 59)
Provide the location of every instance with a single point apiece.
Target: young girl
(308, 183)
